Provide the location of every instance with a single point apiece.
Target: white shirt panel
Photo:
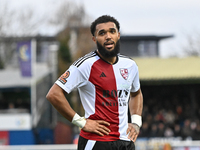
(88, 98)
(126, 81)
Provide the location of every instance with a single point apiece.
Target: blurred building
(171, 88)
(141, 45)
(23, 106)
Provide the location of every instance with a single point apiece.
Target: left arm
(135, 106)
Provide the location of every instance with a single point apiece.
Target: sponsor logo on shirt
(63, 77)
(120, 94)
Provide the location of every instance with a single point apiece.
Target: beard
(107, 53)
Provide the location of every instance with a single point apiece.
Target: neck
(110, 60)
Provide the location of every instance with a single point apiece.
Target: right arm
(57, 98)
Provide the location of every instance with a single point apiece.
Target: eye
(113, 31)
(102, 33)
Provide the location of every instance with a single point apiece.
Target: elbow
(52, 96)
(49, 96)
(55, 95)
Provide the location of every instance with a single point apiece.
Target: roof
(144, 37)
(11, 77)
(169, 68)
(24, 38)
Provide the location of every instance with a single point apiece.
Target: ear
(118, 35)
(94, 39)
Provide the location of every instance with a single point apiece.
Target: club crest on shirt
(124, 73)
(63, 78)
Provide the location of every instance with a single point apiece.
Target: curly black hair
(103, 19)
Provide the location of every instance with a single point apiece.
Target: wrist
(79, 121)
(136, 119)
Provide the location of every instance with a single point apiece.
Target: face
(107, 39)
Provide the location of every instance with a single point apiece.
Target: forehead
(105, 26)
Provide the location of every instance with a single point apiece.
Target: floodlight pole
(33, 84)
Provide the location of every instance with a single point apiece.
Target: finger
(131, 133)
(103, 122)
(103, 131)
(128, 130)
(99, 133)
(133, 136)
(104, 128)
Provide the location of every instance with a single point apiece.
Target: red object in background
(4, 138)
(63, 134)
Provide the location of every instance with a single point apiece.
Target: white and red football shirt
(104, 91)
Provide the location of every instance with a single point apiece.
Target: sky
(137, 17)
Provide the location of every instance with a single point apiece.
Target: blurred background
(40, 39)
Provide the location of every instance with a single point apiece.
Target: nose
(108, 36)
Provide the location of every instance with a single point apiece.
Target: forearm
(57, 99)
(136, 106)
(136, 103)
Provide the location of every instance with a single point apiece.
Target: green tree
(64, 56)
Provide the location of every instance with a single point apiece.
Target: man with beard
(108, 83)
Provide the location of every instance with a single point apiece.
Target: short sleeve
(136, 82)
(70, 80)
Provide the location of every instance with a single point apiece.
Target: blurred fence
(166, 144)
(41, 147)
(155, 144)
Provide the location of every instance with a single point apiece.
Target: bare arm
(135, 106)
(57, 98)
(136, 103)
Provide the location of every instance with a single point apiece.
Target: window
(147, 48)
